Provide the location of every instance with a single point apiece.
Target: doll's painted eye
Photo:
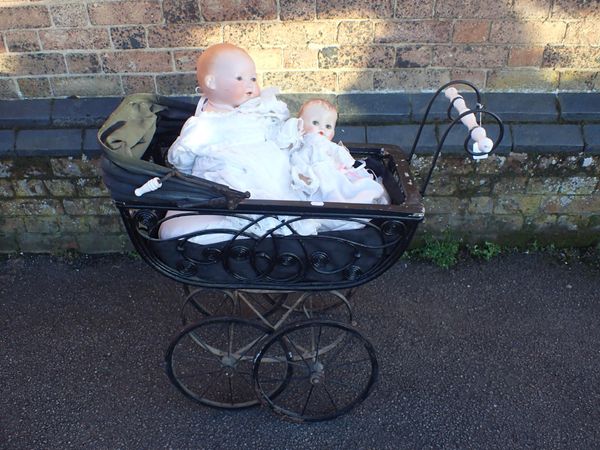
(238, 78)
(315, 122)
(328, 126)
(253, 79)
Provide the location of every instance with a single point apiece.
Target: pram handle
(478, 134)
(152, 185)
(482, 145)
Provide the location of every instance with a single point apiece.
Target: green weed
(485, 251)
(441, 252)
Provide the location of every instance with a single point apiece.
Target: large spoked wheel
(334, 369)
(211, 361)
(201, 302)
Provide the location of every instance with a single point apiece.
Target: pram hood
(130, 133)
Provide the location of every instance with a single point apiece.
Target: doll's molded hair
(209, 58)
(318, 101)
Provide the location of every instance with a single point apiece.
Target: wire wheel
(325, 305)
(334, 369)
(200, 303)
(211, 360)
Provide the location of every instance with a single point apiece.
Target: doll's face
(232, 79)
(319, 119)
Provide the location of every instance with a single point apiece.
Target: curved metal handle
(471, 118)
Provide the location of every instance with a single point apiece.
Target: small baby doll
(324, 171)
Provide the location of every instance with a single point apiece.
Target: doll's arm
(290, 134)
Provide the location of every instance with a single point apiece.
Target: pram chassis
(256, 287)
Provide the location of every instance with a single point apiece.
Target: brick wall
(59, 204)
(55, 48)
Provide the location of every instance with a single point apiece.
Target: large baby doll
(324, 171)
(233, 137)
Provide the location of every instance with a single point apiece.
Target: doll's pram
(267, 317)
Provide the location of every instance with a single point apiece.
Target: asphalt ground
(500, 354)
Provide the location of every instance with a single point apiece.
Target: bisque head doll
(226, 75)
(319, 117)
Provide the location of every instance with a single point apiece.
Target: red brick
(515, 79)
(8, 89)
(414, 9)
(576, 9)
(136, 61)
(74, 38)
(297, 9)
(300, 58)
(579, 80)
(33, 64)
(224, 10)
(133, 84)
(477, 77)
(355, 32)
(538, 9)
(243, 34)
(126, 12)
(510, 32)
(297, 34)
(266, 58)
(526, 56)
(357, 56)
(355, 81)
(184, 35)
(176, 84)
(185, 60)
(473, 9)
(470, 56)
(573, 57)
(71, 15)
(413, 31)
(412, 80)
(22, 41)
(471, 31)
(86, 86)
(34, 87)
(413, 56)
(304, 81)
(355, 9)
(24, 17)
(83, 63)
(585, 32)
(181, 11)
(125, 38)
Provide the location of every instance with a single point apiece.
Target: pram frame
(404, 213)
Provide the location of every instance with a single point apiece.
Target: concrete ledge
(577, 107)
(535, 122)
(373, 108)
(53, 142)
(82, 112)
(591, 136)
(547, 138)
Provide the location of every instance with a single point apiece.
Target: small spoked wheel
(334, 368)
(325, 305)
(211, 360)
(201, 302)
